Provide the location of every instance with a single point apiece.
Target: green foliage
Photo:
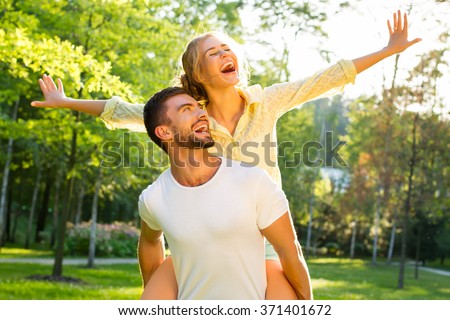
(132, 48)
(112, 240)
(303, 16)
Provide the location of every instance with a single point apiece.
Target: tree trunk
(316, 173)
(55, 208)
(9, 153)
(91, 257)
(401, 274)
(17, 213)
(59, 255)
(419, 238)
(309, 232)
(9, 214)
(33, 207)
(14, 227)
(81, 193)
(392, 239)
(352, 243)
(376, 223)
(42, 216)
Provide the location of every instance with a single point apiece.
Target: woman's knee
(278, 286)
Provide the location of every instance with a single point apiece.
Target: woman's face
(218, 64)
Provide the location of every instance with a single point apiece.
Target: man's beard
(188, 139)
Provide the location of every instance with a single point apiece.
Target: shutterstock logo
(313, 154)
(127, 153)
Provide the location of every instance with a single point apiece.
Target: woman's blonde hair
(190, 78)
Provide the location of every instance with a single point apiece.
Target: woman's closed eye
(214, 53)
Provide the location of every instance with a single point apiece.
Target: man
(214, 215)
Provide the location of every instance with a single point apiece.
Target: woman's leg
(278, 286)
(163, 283)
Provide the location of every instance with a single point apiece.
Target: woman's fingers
(60, 86)
(43, 86)
(399, 21)
(405, 23)
(391, 31)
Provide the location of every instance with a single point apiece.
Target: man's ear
(164, 133)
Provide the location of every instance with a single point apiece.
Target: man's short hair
(155, 112)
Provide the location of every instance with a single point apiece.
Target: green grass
(109, 282)
(335, 279)
(332, 279)
(7, 253)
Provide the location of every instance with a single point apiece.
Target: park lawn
(332, 279)
(15, 253)
(106, 282)
(336, 279)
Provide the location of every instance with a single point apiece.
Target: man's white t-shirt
(213, 230)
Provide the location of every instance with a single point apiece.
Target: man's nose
(201, 112)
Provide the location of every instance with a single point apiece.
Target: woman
(241, 117)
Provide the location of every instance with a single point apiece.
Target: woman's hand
(54, 96)
(398, 34)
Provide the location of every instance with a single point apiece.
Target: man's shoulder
(251, 176)
(156, 186)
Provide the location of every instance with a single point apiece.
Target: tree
(91, 255)
(6, 171)
(22, 56)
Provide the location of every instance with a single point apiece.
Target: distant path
(103, 261)
(71, 261)
(437, 271)
(412, 264)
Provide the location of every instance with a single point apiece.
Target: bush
(112, 240)
(332, 248)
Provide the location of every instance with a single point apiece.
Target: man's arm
(150, 251)
(56, 98)
(282, 236)
(398, 42)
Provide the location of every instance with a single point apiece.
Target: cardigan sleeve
(282, 97)
(119, 114)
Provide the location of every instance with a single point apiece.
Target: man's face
(190, 124)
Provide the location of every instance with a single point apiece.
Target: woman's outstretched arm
(115, 113)
(54, 97)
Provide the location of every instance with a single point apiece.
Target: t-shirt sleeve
(119, 114)
(146, 214)
(271, 202)
(282, 97)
